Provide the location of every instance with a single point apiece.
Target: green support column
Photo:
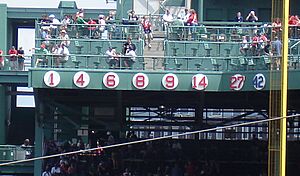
(123, 6)
(3, 27)
(3, 113)
(200, 11)
(39, 137)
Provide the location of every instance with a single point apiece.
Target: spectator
(167, 18)
(113, 57)
(276, 26)
(21, 59)
(128, 44)
(1, 60)
(111, 24)
(54, 23)
(65, 22)
(92, 27)
(26, 143)
(47, 171)
(80, 14)
(46, 35)
(252, 17)
(42, 53)
(102, 25)
(192, 21)
(131, 55)
(64, 37)
(132, 16)
(13, 58)
(239, 17)
(244, 46)
(81, 28)
(277, 46)
(63, 53)
(254, 45)
(147, 31)
(55, 170)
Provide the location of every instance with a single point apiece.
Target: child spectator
(147, 31)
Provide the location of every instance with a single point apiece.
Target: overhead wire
(146, 140)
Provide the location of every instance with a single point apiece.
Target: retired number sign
(140, 81)
(199, 82)
(51, 78)
(170, 81)
(237, 82)
(259, 81)
(81, 79)
(111, 80)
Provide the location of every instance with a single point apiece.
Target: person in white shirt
(168, 18)
(54, 23)
(113, 57)
(63, 53)
(130, 57)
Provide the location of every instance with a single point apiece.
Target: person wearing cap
(54, 23)
(64, 37)
(41, 54)
(102, 25)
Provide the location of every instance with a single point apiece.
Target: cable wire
(147, 140)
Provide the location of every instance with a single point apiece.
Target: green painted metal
(39, 138)
(124, 7)
(13, 77)
(3, 110)
(3, 27)
(217, 81)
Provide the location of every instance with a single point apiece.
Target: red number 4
(80, 80)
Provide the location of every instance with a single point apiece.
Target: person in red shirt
(254, 45)
(147, 31)
(13, 58)
(192, 21)
(92, 27)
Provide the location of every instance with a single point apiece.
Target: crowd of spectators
(159, 158)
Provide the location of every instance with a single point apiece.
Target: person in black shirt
(21, 59)
(127, 45)
(239, 17)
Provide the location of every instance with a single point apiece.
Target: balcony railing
(13, 152)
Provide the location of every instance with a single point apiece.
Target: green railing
(167, 63)
(111, 30)
(13, 152)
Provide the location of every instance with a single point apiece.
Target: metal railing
(91, 31)
(14, 152)
(166, 63)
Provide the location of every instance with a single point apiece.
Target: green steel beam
(3, 27)
(39, 136)
(217, 81)
(13, 77)
(3, 108)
